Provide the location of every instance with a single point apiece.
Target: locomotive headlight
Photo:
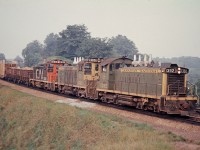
(179, 70)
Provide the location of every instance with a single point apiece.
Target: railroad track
(194, 120)
(184, 119)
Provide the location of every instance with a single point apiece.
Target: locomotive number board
(177, 70)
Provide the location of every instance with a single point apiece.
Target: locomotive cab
(91, 69)
(91, 73)
(109, 69)
(52, 69)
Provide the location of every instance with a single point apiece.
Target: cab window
(111, 67)
(96, 67)
(117, 66)
(80, 67)
(88, 69)
(104, 68)
(50, 68)
(37, 73)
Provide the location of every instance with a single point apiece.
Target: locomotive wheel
(145, 107)
(156, 108)
(103, 99)
(59, 90)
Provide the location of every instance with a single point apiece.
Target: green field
(28, 122)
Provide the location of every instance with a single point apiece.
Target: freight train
(162, 89)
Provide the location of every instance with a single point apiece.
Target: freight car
(10, 72)
(4, 66)
(114, 80)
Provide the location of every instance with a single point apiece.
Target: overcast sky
(164, 28)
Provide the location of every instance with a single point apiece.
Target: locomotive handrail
(193, 87)
(198, 102)
(195, 90)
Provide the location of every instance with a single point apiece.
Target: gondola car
(10, 71)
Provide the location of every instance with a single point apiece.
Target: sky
(163, 28)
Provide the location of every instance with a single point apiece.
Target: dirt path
(187, 131)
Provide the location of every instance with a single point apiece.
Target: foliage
(19, 60)
(122, 46)
(32, 53)
(189, 62)
(75, 41)
(50, 46)
(70, 39)
(2, 56)
(95, 48)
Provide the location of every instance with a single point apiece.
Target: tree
(2, 56)
(122, 46)
(70, 39)
(32, 53)
(19, 60)
(50, 45)
(95, 48)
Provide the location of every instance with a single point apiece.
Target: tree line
(76, 41)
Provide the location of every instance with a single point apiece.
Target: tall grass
(28, 122)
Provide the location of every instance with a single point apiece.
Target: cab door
(91, 75)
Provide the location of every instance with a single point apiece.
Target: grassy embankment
(28, 122)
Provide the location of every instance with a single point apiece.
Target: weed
(77, 145)
(175, 137)
(31, 145)
(142, 126)
(3, 123)
(1, 108)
